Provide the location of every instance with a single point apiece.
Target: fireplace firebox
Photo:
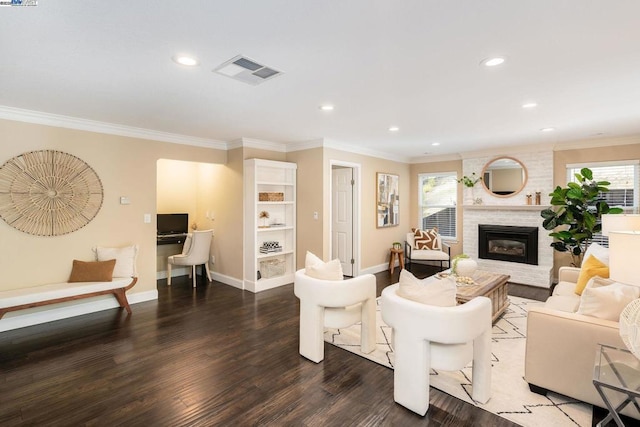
(508, 243)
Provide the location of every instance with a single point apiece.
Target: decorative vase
(465, 267)
(469, 195)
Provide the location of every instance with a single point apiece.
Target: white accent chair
(196, 250)
(430, 337)
(441, 253)
(334, 304)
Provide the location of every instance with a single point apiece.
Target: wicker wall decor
(48, 193)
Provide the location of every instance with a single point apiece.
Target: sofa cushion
(96, 271)
(607, 302)
(318, 269)
(565, 289)
(565, 303)
(590, 268)
(430, 291)
(426, 239)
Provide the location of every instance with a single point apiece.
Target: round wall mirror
(504, 176)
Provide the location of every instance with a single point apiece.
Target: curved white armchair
(334, 304)
(196, 251)
(445, 338)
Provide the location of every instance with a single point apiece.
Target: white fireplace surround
(513, 211)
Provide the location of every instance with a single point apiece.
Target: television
(175, 223)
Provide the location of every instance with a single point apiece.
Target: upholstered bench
(37, 296)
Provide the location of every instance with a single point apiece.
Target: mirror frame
(524, 180)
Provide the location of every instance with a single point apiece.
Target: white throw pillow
(318, 269)
(600, 252)
(428, 291)
(607, 302)
(125, 259)
(598, 282)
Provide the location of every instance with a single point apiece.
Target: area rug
(511, 398)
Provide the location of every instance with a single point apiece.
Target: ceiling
(414, 64)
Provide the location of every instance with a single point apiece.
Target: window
(437, 198)
(623, 190)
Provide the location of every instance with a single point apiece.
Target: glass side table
(617, 372)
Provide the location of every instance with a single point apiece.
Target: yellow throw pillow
(591, 267)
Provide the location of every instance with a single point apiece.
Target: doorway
(345, 217)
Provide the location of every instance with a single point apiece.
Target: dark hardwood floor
(211, 356)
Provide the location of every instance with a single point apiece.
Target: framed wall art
(387, 200)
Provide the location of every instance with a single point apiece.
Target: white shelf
(288, 202)
(507, 207)
(267, 229)
(274, 183)
(262, 176)
(273, 254)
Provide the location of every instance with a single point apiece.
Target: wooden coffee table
(491, 285)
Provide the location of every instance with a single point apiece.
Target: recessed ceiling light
(185, 60)
(435, 144)
(394, 128)
(529, 105)
(326, 107)
(492, 62)
(548, 129)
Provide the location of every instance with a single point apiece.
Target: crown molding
(594, 143)
(305, 145)
(439, 158)
(337, 145)
(57, 120)
(257, 143)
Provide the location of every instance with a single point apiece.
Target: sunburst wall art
(48, 193)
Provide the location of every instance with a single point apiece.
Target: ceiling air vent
(246, 70)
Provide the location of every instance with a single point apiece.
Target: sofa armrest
(568, 274)
(561, 349)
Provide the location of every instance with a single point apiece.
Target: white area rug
(511, 397)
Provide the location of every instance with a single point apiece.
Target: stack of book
(270, 247)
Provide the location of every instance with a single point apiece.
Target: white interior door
(342, 218)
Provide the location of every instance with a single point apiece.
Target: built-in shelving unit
(269, 186)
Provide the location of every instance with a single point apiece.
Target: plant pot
(466, 267)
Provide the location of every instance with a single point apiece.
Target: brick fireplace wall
(512, 211)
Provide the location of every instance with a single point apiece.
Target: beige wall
(436, 167)
(374, 242)
(309, 199)
(127, 167)
(177, 187)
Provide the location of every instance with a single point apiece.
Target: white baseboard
(227, 280)
(175, 272)
(375, 269)
(24, 318)
(183, 271)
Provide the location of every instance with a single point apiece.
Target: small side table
(396, 254)
(618, 370)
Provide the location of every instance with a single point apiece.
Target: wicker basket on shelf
(271, 196)
(272, 268)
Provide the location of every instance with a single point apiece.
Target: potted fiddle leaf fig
(575, 214)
